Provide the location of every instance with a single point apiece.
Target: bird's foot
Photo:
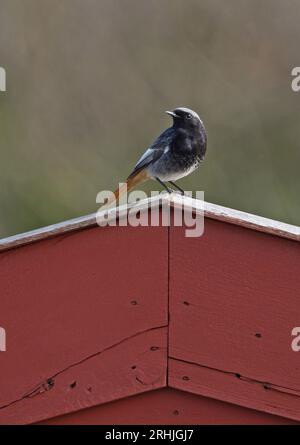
(175, 191)
(178, 192)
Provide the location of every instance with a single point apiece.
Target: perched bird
(176, 153)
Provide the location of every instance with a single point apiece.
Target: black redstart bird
(176, 153)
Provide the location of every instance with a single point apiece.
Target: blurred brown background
(88, 81)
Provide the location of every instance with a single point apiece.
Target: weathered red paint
(168, 407)
(101, 314)
(86, 321)
(234, 299)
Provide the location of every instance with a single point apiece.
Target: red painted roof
(100, 314)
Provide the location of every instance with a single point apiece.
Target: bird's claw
(175, 191)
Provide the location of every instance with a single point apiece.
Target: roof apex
(175, 200)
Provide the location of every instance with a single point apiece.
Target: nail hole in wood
(238, 376)
(258, 335)
(176, 412)
(73, 384)
(134, 302)
(154, 348)
(185, 377)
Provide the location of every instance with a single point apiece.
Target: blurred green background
(88, 82)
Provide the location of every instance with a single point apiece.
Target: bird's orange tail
(132, 181)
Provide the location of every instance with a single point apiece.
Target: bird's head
(185, 118)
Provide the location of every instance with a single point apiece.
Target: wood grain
(237, 217)
(233, 388)
(80, 311)
(86, 314)
(234, 299)
(168, 407)
(174, 200)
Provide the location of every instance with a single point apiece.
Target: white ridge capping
(175, 200)
(240, 218)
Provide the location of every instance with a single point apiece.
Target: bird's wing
(154, 152)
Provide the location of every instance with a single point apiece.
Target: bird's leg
(164, 185)
(177, 187)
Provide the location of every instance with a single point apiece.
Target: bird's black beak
(171, 113)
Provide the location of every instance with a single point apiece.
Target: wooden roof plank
(83, 309)
(213, 211)
(232, 389)
(167, 406)
(131, 367)
(234, 300)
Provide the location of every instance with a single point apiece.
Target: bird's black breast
(189, 143)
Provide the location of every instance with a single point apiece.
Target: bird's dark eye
(189, 116)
